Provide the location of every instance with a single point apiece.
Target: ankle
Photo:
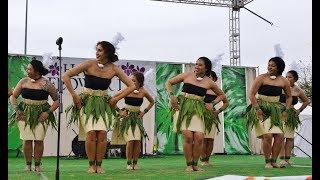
(29, 163)
(98, 163)
(129, 162)
(92, 163)
(195, 163)
(37, 163)
(134, 162)
(190, 163)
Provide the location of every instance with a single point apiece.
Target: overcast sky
(159, 31)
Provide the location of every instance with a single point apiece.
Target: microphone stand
(60, 112)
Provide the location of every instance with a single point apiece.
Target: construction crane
(234, 21)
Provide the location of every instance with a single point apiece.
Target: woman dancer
(293, 117)
(211, 117)
(189, 106)
(131, 126)
(34, 113)
(93, 106)
(266, 113)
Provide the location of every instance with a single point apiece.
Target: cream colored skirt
(213, 133)
(288, 133)
(85, 128)
(263, 128)
(132, 136)
(27, 134)
(196, 124)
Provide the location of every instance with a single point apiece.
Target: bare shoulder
(24, 80)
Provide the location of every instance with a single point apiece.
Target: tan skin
(38, 84)
(193, 141)
(295, 91)
(264, 79)
(96, 140)
(133, 147)
(10, 91)
(208, 142)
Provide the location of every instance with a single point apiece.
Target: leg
(129, 154)
(197, 148)
(91, 143)
(288, 148)
(282, 154)
(209, 149)
(204, 151)
(267, 147)
(101, 149)
(276, 147)
(38, 152)
(136, 153)
(187, 148)
(27, 151)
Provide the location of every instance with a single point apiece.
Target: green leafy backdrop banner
(168, 142)
(17, 70)
(235, 131)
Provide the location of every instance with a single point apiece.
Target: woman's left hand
(141, 114)
(43, 116)
(216, 112)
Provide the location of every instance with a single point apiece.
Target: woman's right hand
(76, 100)
(260, 114)
(20, 115)
(174, 102)
(123, 113)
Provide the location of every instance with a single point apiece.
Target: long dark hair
(109, 50)
(38, 67)
(207, 64)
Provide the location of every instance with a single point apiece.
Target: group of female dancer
(193, 110)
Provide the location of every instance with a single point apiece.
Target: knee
(267, 139)
(38, 143)
(28, 143)
(188, 140)
(102, 135)
(91, 136)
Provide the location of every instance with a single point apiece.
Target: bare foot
(189, 168)
(275, 165)
(100, 170)
(91, 169)
(129, 167)
(283, 164)
(268, 166)
(38, 169)
(206, 163)
(27, 168)
(136, 167)
(196, 168)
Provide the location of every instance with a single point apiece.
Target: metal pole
(59, 114)
(25, 30)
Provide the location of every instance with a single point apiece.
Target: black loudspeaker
(78, 147)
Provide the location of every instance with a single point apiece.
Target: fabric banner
(17, 69)
(168, 142)
(236, 134)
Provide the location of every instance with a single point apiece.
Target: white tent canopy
(305, 130)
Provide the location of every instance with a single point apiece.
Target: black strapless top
(283, 99)
(34, 94)
(96, 83)
(269, 90)
(209, 98)
(133, 101)
(193, 89)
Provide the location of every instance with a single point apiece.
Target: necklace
(34, 80)
(199, 78)
(136, 91)
(102, 65)
(273, 77)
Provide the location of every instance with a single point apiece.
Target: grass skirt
(31, 128)
(190, 115)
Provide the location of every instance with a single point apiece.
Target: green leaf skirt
(212, 122)
(31, 128)
(191, 114)
(130, 127)
(272, 121)
(292, 123)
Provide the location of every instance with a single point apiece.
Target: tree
(305, 77)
